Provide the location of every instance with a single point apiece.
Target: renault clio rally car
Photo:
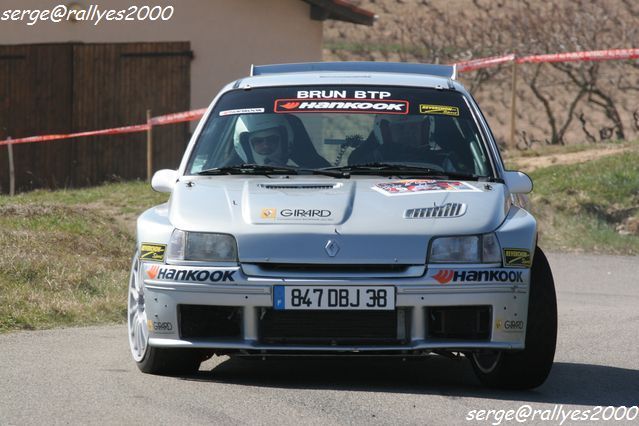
(343, 209)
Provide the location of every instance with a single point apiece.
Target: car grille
(459, 322)
(335, 268)
(299, 186)
(199, 321)
(334, 327)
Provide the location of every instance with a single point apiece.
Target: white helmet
(263, 139)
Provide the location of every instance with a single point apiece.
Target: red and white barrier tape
(597, 55)
(178, 117)
(474, 64)
(46, 138)
(161, 120)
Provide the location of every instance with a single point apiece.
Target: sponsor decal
(303, 213)
(361, 106)
(514, 325)
(341, 94)
(241, 111)
(510, 325)
(439, 109)
(152, 251)
(412, 186)
(160, 326)
(268, 213)
(152, 272)
(517, 258)
(445, 276)
(295, 214)
(191, 275)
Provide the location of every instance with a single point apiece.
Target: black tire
(172, 361)
(529, 368)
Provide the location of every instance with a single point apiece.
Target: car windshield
(341, 127)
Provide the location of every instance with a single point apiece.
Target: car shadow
(568, 383)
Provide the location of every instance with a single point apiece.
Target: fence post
(513, 104)
(149, 147)
(12, 172)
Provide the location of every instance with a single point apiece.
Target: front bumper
(503, 291)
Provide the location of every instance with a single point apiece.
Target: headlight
(200, 246)
(467, 249)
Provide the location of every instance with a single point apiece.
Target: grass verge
(591, 206)
(66, 254)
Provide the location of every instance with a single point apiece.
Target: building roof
(340, 10)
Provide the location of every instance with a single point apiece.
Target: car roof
(355, 73)
(346, 78)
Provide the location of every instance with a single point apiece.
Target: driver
(262, 139)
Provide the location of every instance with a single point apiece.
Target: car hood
(292, 220)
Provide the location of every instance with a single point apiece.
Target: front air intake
(445, 210)
(306, 186)
(459, 322)
(210, 322)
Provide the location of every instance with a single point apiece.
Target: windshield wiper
(391, 168)
(252, 168)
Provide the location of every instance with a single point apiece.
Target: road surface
(85, 375)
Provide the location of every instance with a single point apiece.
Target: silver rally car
(346, 209)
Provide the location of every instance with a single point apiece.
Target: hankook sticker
(353, 106)
(413, 186)
(157, 272)
(445, 276)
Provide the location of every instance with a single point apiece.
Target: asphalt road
(85, 375)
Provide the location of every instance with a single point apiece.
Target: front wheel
(149, 359)
(530, 367)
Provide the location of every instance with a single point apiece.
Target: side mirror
(164, 180)
(518, 182)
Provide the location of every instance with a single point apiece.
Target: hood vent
(312, 186)
(445, 210)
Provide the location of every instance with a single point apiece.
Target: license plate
(287, 297)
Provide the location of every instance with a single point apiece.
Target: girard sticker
(414, 186)
(352, 106)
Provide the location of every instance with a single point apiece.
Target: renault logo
(331, 248)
